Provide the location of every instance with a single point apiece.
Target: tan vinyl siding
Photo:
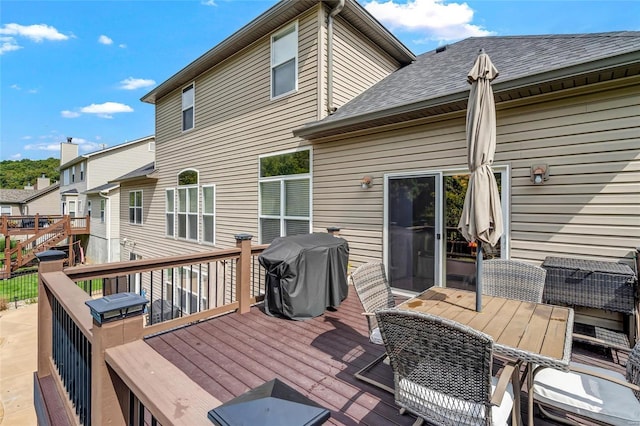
(588, 207)
(139, 234)
(47, 204)
(358, 63)
(235, 121)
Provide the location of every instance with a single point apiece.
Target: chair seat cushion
(412, 394)
(588, 396)
(376, 336)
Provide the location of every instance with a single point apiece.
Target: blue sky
(79, 68)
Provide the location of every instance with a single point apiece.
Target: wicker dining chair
(598, 395)
(374, 292)
(442, 370)
(513, 279)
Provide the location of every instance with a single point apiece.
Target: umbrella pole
(479, 278)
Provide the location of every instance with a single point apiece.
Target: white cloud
(122, 46)
(103, 39)
(69, 114)
(136, 83)
(8, 44)
(433, 19)
(52, 144)
(15, 87)
(16, 156)
(32, 91)
(209, 2)
(106, 109)
(35, 33)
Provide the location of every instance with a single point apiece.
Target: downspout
(107, 222)
(330, 108)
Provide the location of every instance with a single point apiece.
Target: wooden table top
(533, 332)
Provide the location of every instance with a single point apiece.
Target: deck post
(109, 395)
(243, 273)
(52, 263)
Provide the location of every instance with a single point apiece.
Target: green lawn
(25, 287)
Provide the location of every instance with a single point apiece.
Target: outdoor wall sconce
(116, 306)
(366, 182)
(539, 173)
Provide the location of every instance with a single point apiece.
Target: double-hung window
(188, 205)
(65, 177)
(284, 61)
(188, 101)
(285, 195)
(73, 174)
(170, 212)
(135, 207)
(208, 214)
(81, 171)
(103, 203)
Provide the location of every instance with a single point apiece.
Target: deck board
(233, 353)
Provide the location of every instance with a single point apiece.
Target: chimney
(42, 182)
(68, 151)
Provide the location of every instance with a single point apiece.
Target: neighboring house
(227, 161)
(246, 144)
(86, 190)
(41, 199)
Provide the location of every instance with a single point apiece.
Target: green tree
(16, 174)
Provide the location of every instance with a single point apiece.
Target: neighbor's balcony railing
(24, 225)
(74, 350)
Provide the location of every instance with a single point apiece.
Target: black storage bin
(305, 274)
(594, 284)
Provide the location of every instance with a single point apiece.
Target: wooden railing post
(36, 223)
(50, 261)
(243, 272)
(109, 396)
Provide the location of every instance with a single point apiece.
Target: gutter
(336, 10)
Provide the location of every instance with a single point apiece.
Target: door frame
(439, 258)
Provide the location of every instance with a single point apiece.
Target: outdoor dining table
(536, 333)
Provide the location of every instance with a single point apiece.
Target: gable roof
(278, 15)
(147, 171)
(436, 82)
(21, 196)
(82, 157)
(102, 188)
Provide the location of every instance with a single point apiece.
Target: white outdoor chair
(374, 292)
(596, 394)
(442, 370)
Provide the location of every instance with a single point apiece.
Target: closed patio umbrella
(481, 219)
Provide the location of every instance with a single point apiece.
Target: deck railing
(74, 350)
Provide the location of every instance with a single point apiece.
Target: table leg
(516, 419)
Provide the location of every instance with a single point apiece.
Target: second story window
(135, 207)
(188, 100)
(65, 177)
(73, 174)
(81, 172)
(284, 61)
(188, 205)
(170, 212)
(103, 203)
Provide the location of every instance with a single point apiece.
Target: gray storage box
(594, 284)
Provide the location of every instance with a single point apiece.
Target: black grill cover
(305, 275)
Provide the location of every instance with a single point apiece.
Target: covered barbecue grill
(305, 274)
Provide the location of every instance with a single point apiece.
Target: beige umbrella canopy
(481, 219)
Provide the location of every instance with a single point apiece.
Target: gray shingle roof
(15, 196)
(102, 188)
(140, 172)
(440, 74)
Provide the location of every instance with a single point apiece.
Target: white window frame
(103, 208)
(82, 171)
(136, 207)
(212, 215)
(89, 209)
(5, 210)
(65, 176)
(73, 174)
(171, 212)
(79, 208)
(72, 208)
(188, 213)
(274, 63)
(282, 178)
(192, 105)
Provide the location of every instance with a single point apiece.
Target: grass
(25, 287)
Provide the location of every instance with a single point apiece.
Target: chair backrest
(633, 368)
(442, 369)
(513, 279)
(372, 288)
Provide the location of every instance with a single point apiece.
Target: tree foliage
(16, 174)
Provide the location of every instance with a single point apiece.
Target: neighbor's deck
(231, 354)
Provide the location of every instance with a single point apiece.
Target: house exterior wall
(588, 207)
(47, 204)
(138, 236)
(104, 241)
(236, 121)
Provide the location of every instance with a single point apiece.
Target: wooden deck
(232, 354)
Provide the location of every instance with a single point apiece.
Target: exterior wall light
(116, 306)
(366, 182)
(539, 174)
